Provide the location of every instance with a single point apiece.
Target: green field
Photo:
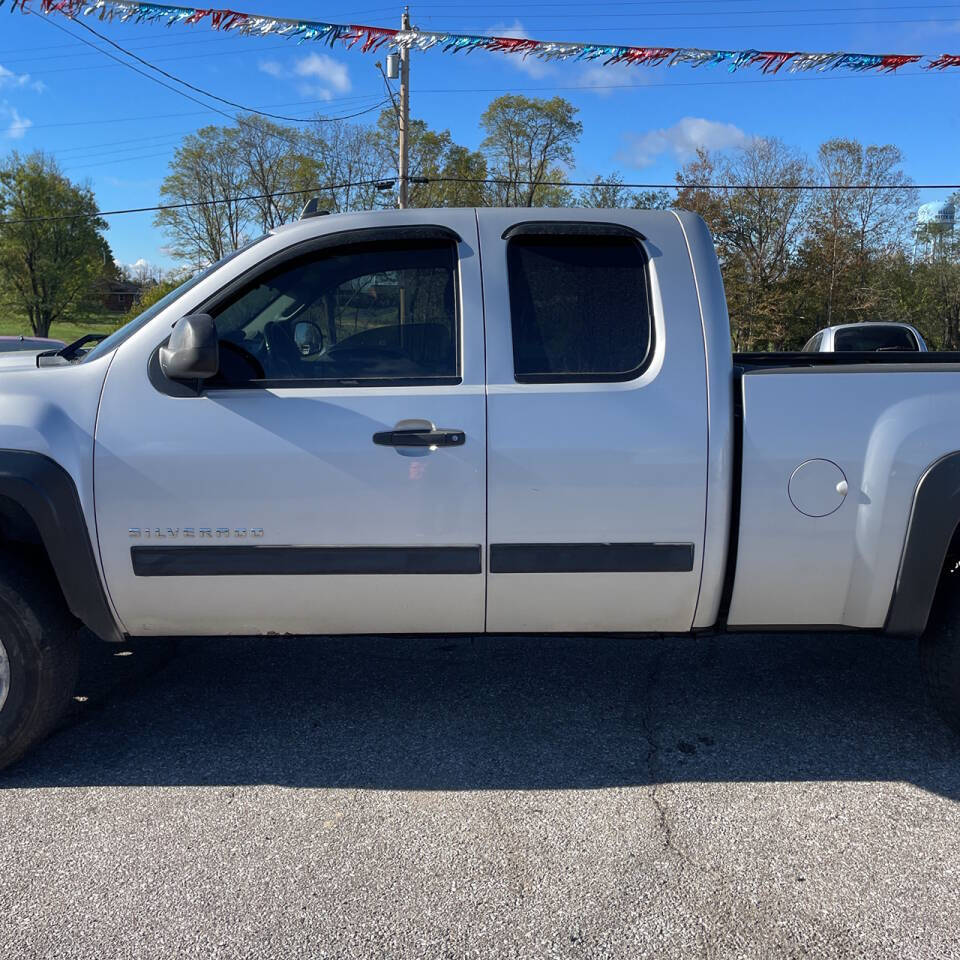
(75, 326)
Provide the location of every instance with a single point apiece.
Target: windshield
(128, 329)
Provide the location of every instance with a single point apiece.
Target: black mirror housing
(193, 351)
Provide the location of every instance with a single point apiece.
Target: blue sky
(117, 130)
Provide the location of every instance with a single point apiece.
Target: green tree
(275, 160)
(885, 204)
(205, 221)
(853, 227)
(528, 143)
(697, 194)
(452, 172)
(758, 214)
(829, 254)
(606, 193)
(157, 291)
(48, 267)
(651, 200)
(464, 170)
(609, 192)
(350, 161)
(937, 275)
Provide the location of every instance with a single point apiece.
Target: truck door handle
(437, 437)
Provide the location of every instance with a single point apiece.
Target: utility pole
(404, 112)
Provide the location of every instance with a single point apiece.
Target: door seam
(486, 434)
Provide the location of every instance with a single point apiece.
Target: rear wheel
(38, 656)
(940, 649)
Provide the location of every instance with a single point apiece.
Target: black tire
(38, 637)
(940, 651)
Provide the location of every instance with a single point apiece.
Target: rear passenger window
(579, 308)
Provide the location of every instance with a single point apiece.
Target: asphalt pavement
(739, 796)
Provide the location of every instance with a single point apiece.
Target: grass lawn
(73, 327)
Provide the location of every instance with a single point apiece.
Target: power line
(182, 93)
(732, 81)
(740, 26)
(189, 86)
(645, 3)
(193, 113)
(388, 182)
(163, 36)
(726, 13)
(374, 37)
(652, 84)
(72, 52)
(130, 66)
(83, 166)
(87, 67)
(197, 203)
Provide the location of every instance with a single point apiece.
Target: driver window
(361, 315)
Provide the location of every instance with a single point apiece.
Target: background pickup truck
(440, 421)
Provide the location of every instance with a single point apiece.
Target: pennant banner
(375, 38)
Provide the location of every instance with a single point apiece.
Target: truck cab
(398, 440)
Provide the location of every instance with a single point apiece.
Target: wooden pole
(404, 114)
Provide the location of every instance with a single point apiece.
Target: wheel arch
(39, 503)
(932, 533)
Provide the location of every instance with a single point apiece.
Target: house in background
(118, 296)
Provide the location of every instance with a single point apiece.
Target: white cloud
(604, 81)
(325, 76)
(9, 80)
(681, 141)
(599, 80)
(317, 75)
(14, 126)
(272, 67)
(528, 65)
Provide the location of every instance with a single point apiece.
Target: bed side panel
(882, 429)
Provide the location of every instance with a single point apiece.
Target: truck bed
(875, 421)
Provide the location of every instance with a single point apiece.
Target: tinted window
(359, 314)
(579, 308)
(872, 338)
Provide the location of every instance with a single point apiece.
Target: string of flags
(375, 38)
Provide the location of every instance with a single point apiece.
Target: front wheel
(940, 650)
(38, 656)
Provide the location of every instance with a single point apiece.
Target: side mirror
(193, 351)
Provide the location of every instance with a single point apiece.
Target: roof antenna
(312, 209)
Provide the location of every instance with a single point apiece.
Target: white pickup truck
(458, 421)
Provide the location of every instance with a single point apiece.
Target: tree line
(793, 258)
(271, 168)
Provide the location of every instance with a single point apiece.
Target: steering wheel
(282, 350)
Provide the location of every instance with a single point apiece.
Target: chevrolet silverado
(459, 421)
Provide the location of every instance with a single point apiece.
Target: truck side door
(596, 421)
(288, 494)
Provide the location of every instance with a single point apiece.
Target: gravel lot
(747, 796)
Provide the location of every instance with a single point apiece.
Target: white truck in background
(436, 421)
